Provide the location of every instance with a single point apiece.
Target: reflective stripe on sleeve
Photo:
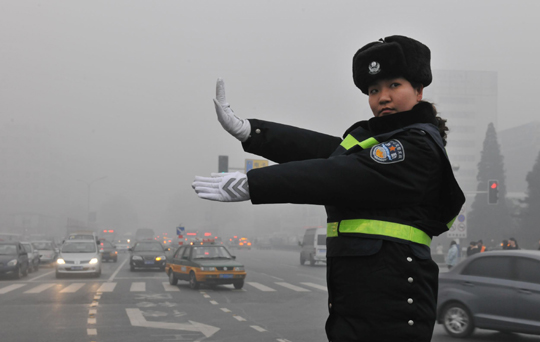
(350, 141)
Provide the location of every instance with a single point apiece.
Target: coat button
(409, 259)
(330, 305)
(411, 322)
(257, 131)
(410, 301)
(410, 280)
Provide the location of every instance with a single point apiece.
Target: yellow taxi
(205, 264)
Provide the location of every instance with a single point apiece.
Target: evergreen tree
(489, 222)
(529, 234)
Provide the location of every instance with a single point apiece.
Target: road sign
(255, 164)
(459, 228)
(180, 231)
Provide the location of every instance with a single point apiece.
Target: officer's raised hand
(238, 128)
(223, 187)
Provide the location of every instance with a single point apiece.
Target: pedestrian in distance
(481, 247)
(452, 257)
(512, 244)
(387, 186)
(472, 249)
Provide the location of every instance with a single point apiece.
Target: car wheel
(457, 320)
(17, 274)
(238, 284)
(193, 283)
(302, 260)
(172, 279)
(311, 260)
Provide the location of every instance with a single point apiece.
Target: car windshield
(148, 247)
(81, 237)
(8, 249)
(106, 244)
(211, 253)
(27, 247)
(79, 247)
(42, 245)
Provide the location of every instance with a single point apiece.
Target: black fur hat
(394, 56)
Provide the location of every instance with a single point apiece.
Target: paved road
(281, 301)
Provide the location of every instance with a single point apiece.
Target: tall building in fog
(468, 100)
(519, 146)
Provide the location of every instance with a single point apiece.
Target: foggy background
(123, 90)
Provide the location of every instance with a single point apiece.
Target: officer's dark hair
(441, 123)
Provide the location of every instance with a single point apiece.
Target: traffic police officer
(387, 186)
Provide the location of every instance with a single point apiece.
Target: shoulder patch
(388, 152)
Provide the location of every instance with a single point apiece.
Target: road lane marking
(239, 318)
(91, 321)
(258, 328)
(214, 302)
(225, 310)
(73, 288)
(293, 287)
(91, 331)
(138, 320)
(107, 287)
(43, 275)
(10, 288)
(92, 311)
(117, 270)
(261, 287)
(170, 288)
(40, 288)
(317, 286)
(206, 296)
(138, 287)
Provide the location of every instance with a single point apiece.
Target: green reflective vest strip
(449, 224)
(374, 227)
(350, 141)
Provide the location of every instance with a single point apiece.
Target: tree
(490, 221)
(530, 217)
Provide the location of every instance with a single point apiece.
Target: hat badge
(374, 68)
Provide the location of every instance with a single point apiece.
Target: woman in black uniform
(387, 186)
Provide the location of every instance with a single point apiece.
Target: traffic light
(493, 191)
(223, 163)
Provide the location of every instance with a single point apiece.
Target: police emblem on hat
(388, 152)
(374, 68)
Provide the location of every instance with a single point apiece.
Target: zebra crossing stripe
(317, 286)
(261, 287)
(138, 287)
(40, 288)
(10, 288)
(258, 328)
(293, 287)
(73, 288)
(107, 287)
(170, 288)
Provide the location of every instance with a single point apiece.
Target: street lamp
(89, 184)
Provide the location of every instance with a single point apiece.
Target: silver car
(497, 290)
(79, 257)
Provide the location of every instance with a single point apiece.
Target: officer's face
(393, 96)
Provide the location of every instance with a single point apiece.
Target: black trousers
(389, 296)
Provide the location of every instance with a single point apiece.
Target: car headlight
(136, 257)
(12, 262)
(208, 268)
(60, 261)
(159, 258)
(239, 268)
(93, 261)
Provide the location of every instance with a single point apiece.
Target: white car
(79, 257)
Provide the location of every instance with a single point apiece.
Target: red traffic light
(494, 185)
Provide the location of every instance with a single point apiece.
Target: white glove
(238, 128)
(223, 187)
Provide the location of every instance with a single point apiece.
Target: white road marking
(272, 276)
(92, 312)
(91, 321)
(138, 287)
(214, 302)
(239, 318)
(206, 296)
(138, 320)
(282, 340)
(317, 286)
(107, 287)
(11, 288)
(91, 331)
(170, 288)
(43, 275)
(225, 310)
(40, 288)
(258, 328)
(261, 287)
(111, 278)
(293, 287)
(73, 288)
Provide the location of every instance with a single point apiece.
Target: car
(108, 251)
(313, 246)
(495, 290)
(78, 257)
(243, 243)
(208, 264)
(48, 251)
(13, 259)
(122, 245)
(148, 254)
(33, 256)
